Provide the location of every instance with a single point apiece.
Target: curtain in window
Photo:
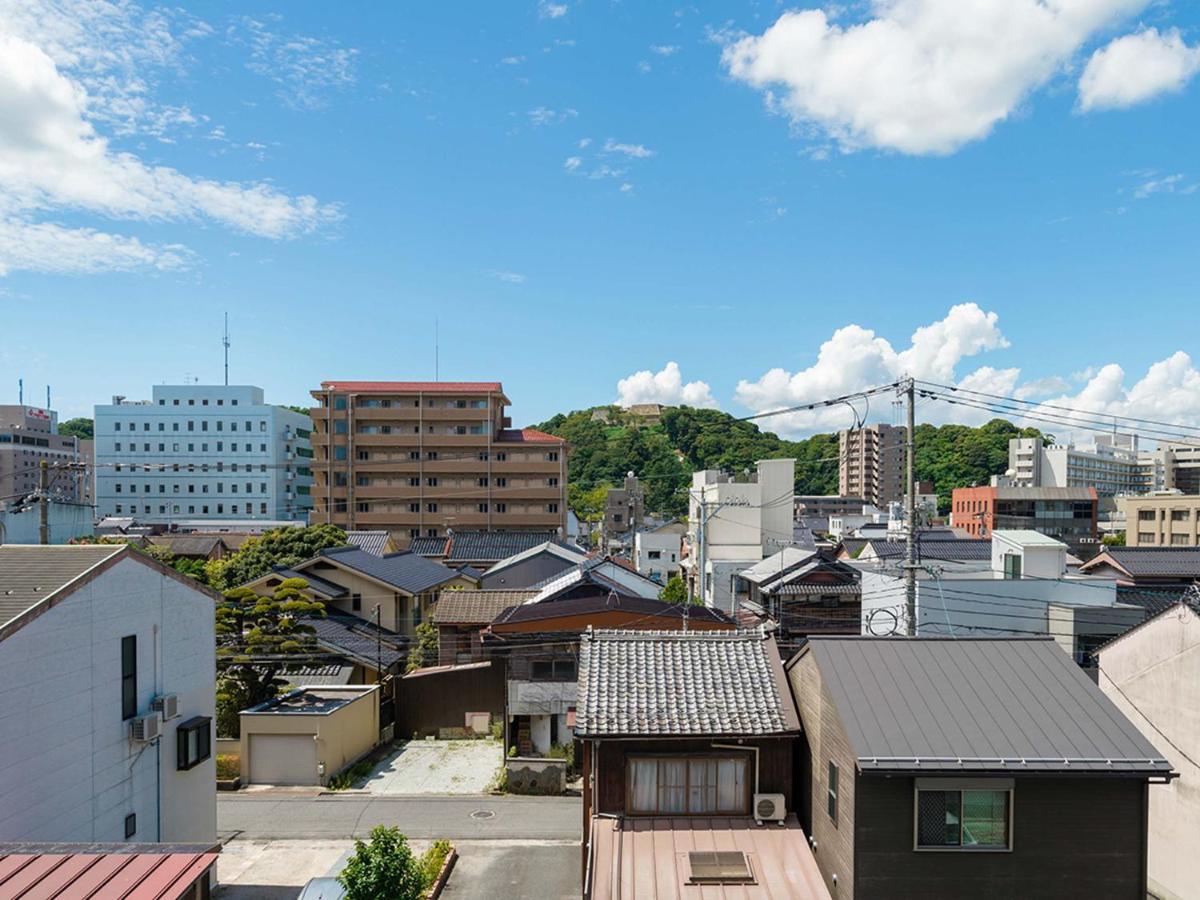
(731, 785)
(702, 786)
(672, 785)
(644, 789)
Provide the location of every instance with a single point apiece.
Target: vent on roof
(720, 867)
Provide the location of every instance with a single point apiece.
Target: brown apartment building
(871, 463)
(421, 458)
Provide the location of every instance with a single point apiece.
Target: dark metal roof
(428, 546)
(677, 684)
(409, 572)
(654, 610)
(1153, 562)
(356, 638)
(476, 607)
(948, 549)
(318, 584)
(482, 546)
(976, 705)
(195, 545)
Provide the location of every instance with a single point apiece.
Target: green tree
(674, 591)
(255, 635)
(82, 428)
(384, 869)
(285, 546)
(425, 651)
(1116, 539)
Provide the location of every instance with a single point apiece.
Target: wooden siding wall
(442, 700)
(775, 765)
(1073, 838)
(825, 740)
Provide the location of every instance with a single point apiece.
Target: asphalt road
(484, 817)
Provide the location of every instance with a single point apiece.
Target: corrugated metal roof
(408, 571)
(476, 607)
(647, 859)
(947, 549)
(102, 876)
(975, 705)
(711, 683)
(32, 574)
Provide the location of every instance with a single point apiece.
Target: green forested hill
(664, 456)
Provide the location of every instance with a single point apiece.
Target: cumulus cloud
(665, 386)
(1136, 67)
(917, 76)
(53, 158)
(548, 10)
(572, 163)
(543, 115)
(855, 358)
(636, 151)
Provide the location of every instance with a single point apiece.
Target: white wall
(68, 770)
(1153, 676)
(776, 482)
(668, 546)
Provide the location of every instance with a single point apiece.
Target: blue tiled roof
(407, 571)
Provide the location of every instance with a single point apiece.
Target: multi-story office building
(423, 458)
(1065, 513)
(1111, 466)
(202, 453)
(29, 435)
(1178, 466)
(871, 463)
(1167, 519)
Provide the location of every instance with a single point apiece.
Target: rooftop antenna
(225, 343)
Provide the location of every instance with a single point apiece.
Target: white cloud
(1163, 184)
(636, 151)
(644, 67)
(918, 76)
(53, 158)
(626, 187)
(855, 358)
(512, 60)
(542, 115)
(1041, 387)
(507, 276)
(665, 386)
(572, 163)
(548, 10)
(664, 49)
(306, 69)
(1136, 67)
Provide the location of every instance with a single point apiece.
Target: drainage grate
(483, 814)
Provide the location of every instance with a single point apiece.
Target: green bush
(563, 751)
(432, 861)
(384, 869)
(345, 779)
(229, 766)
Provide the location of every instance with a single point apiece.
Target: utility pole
(44, 502)
(910, 511)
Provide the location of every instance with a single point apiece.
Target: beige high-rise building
(421, 458)
(871, 463)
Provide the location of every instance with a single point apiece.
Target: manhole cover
(483, 814)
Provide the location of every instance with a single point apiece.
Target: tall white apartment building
(202, 452)
(1111, 466)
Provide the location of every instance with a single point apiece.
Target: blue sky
(583, 191)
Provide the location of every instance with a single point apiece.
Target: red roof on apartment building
(413, 387)
(528, 436)
(102, 876)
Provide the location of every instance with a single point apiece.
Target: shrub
(384, 869)
(432, 861)
(229, 766)
(563, 751)
(346, 778)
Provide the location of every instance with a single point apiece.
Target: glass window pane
(672, 786)
(938, 818)
(702, 786)
(643, 774)
(985, 818)
(731, 785)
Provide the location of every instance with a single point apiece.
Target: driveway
(515, 870)
(276, 870)
(436, 767)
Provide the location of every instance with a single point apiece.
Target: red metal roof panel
(101, 876)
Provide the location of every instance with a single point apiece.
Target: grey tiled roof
(372, 541)
(196, 545)
(936, 548)
(476, 607)
(975, 704)
(408, 571)
(1162, 562)
(356, 638)
(31, 574)
(651, 611)
(320, 585)
(672, 683)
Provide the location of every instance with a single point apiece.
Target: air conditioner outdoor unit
(168, 705)
(769, 808)
(146, 728)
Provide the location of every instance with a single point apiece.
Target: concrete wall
(1152, 674)
(342, 736)
(68, 769)
(535, 776)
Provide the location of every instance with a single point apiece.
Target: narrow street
(477, 817)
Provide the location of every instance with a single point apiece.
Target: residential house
(532, 566)
(106, 698)
(203, 454)
(657, 552)
(826, 505)
(679, 766)
(202, 547)
(1151, 577)
(351, 581)
(462, 614)
(1010, 591)
(733, 522)
(943, 768)
(379, 543)
(646, 414)
(1152, 675)
(479, 549)
(422, 459)
(804, 592)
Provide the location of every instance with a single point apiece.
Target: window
(831, 793)
(130, 825)
(1146, 515)
(1180, 540)
(552, 482)
(193, 742)
(719, 867)
(356, 602)
(339, 402)
(501, 482)
(483, 507)
(431, 507)
(966, 818)
(696, 785)
(414, 507)
(339, 453)
(551, 507)
(654, 554)
(431, 482)
(340, 427)
(1145, 537)
(1180, 515)
(129, 676)
(552, 670)
(414, 481)
(552, 456)
(501, 507)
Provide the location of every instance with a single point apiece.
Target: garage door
(283, 759)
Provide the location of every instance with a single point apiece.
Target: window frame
(962, 785)
(686, 759)
(831, 791)
(201, 726)
(129, 705)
